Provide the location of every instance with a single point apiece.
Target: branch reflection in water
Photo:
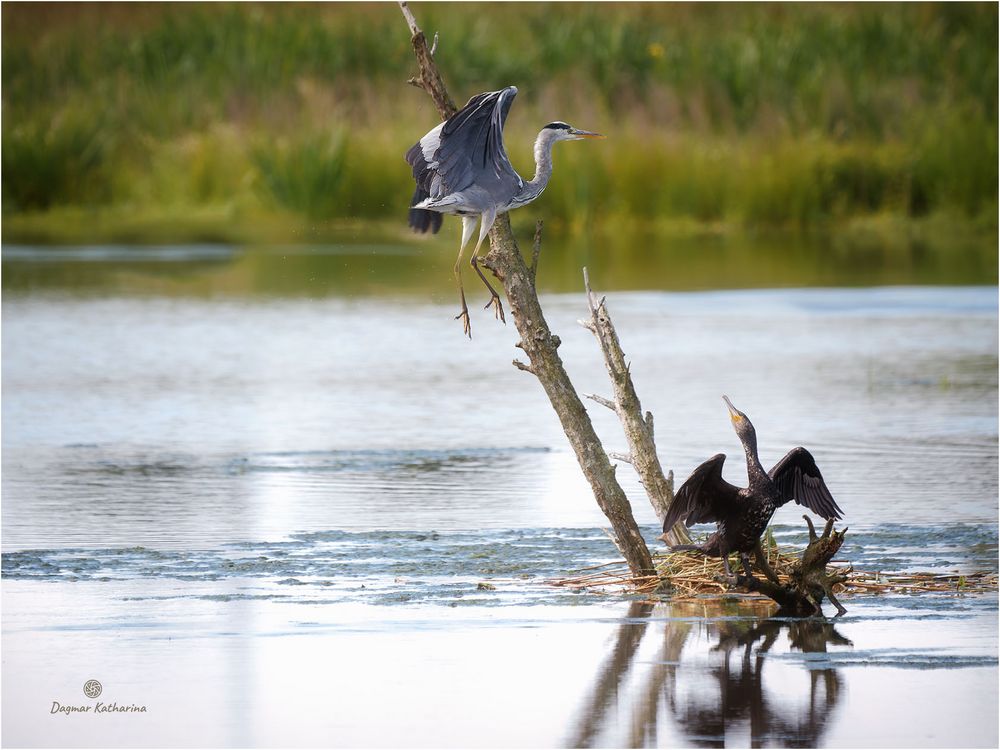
(701, 676)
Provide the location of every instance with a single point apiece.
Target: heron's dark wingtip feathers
(423, 176)
(421, 220)
(414, 154)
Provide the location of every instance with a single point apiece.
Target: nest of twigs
(691, 575)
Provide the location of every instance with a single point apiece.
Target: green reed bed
(745, 115)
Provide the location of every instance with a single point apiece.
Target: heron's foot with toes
(497, 307)
(494, 302)
(464, 317)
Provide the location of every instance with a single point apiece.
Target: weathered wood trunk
(810, 583)
(638, 427)
(540, 346)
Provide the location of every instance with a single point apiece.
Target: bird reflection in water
(704, 682)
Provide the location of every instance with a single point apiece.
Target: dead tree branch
(429, 79)
(809, 583)
(539, 344)
(603, 401)
(521, 366)
(638, 429)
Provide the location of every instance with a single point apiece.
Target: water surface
(266, 517)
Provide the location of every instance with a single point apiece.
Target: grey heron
(461, 167)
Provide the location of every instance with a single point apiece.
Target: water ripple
(389, 567)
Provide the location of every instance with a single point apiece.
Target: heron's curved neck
(543, 166)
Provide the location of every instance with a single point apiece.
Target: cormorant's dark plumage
(742, 515)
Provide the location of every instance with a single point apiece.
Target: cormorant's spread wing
(705, 496)
(797, 478)
(466, 149)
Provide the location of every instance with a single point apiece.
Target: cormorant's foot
(732, 581)
(464, 317)
(497, 308)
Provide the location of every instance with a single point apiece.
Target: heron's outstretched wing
(472, 149)
(705, 496)
(466, 150)
(797, 478)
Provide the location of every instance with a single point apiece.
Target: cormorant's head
(741, 423)
(563, 132)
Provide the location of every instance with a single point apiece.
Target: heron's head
(563, 132)
(741, 423)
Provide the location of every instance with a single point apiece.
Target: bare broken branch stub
(603, 401)
(521, 366)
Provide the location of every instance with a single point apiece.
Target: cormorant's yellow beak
(734, 414)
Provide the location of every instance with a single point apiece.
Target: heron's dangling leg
(745, 562)
(484, 229)
(468, 225)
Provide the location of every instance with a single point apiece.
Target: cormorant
(743, 514)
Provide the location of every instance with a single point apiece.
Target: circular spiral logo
(92, 688)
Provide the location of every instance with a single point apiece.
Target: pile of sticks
(689, 576)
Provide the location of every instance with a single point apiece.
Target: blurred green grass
(209, 119)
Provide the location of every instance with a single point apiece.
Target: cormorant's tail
(421, 219)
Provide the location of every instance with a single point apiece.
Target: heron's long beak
(585, 134)
(733, 412)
